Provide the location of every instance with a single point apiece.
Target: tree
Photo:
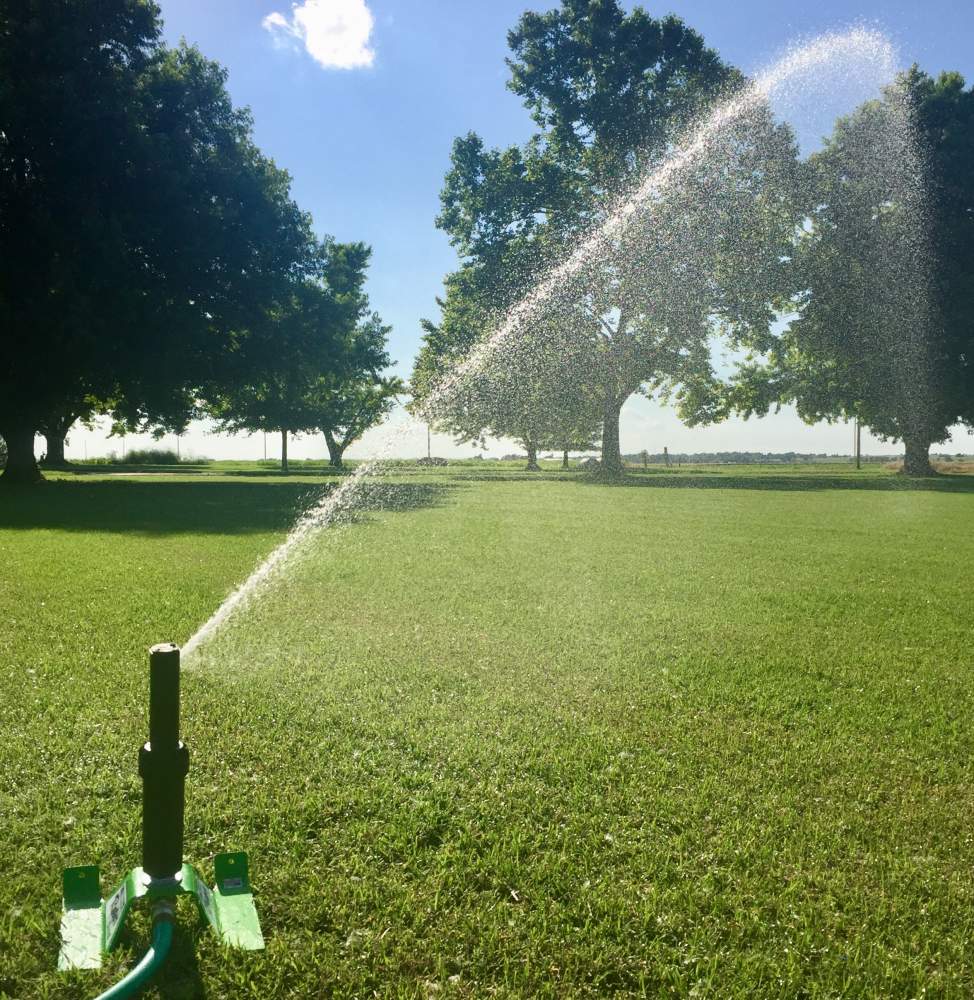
(139, 224)
(611, 93)
(304, 346)
(54, 155)
(352, 408)
(349, 402)
(532, 388)
(579, 432)
(287, 351)
(943, 112)
(884, 275)
(55, 427)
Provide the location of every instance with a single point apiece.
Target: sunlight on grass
(532, 739)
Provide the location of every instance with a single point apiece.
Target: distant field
(705, 734)
(318, 467)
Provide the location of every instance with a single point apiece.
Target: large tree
(287, 348)
(883, 274)
(350, 400)
(139, 224)
(316, 339)
(611, 93)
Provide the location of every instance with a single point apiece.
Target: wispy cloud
(335, 33)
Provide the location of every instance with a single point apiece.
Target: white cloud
(335, 33)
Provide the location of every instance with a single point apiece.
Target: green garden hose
(162, 920)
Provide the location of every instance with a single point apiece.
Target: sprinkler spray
(90, 926)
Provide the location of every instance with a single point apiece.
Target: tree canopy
(140, 227)
(883, 271)
(313, 345)
(610, 93)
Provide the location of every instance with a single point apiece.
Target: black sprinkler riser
(163, 766)
(163, 806)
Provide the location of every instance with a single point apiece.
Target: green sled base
(90, 926)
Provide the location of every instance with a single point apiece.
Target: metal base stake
(91, 926)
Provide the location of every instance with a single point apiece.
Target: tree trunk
(55, 429)
(54, 459)
(335, 451)
(284, 467)
(532, 465)
(611, 456)
(564, 459)
(916, 460)
(21, 466)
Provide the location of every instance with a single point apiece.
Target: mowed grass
(704, 735)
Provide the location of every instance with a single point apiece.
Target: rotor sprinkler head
(164, 696)
(91, 926)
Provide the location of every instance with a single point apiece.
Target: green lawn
(708, 734)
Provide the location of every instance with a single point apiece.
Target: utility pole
(429, 451)
(265, 446)
(858, 443)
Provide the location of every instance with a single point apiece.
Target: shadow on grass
(196, 507)
(795, 483)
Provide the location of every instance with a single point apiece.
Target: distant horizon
(774, 434)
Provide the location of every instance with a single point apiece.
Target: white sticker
(115, 910)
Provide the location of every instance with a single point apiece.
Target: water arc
(854, 64)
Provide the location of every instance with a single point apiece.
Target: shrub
(151, 456)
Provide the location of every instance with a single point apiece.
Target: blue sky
(360, 101)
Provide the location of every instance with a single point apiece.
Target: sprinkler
(91, 926)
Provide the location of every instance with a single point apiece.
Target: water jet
(647, 226)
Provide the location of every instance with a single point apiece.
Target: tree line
(753, 458)
(155, 266)
(866, 248)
